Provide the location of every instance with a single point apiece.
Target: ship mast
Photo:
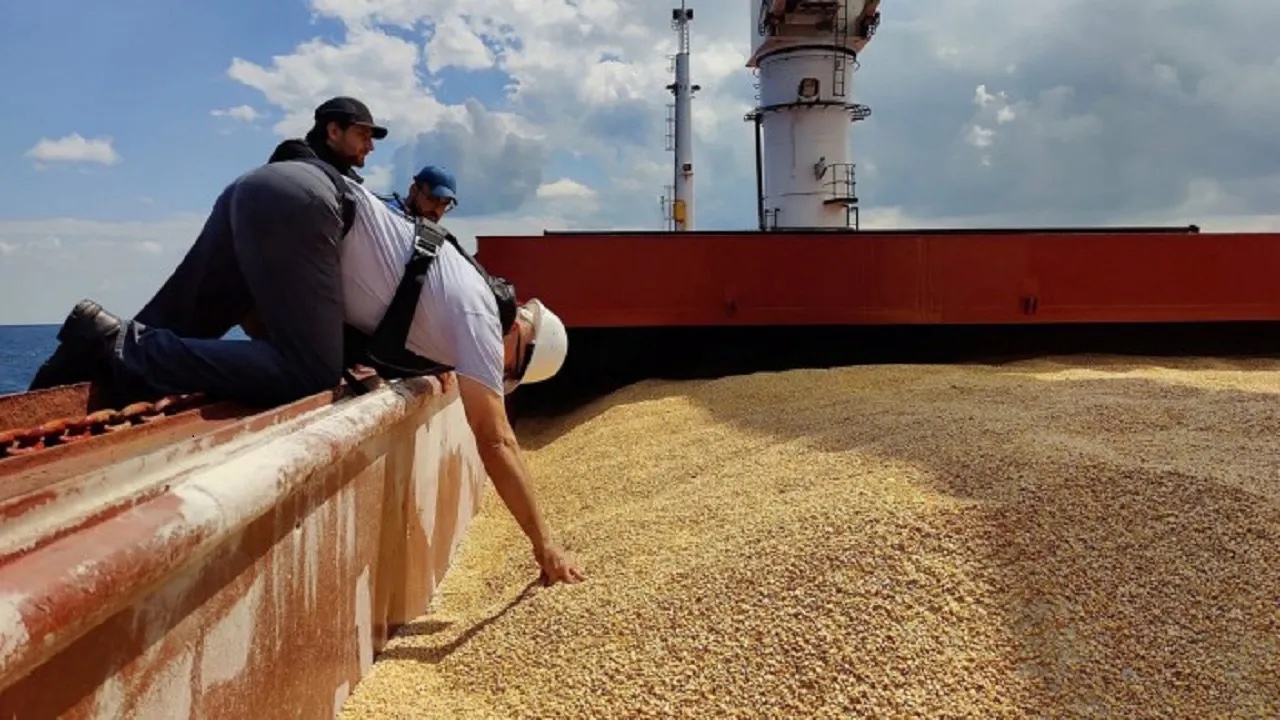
(679, 202)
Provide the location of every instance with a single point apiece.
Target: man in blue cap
(433, 192)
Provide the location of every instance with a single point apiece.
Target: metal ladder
(764, 24)
(840, 38)
(671, 127)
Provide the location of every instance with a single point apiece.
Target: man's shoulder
(471, 292)
(301, 149)
(292, 149)
(377, 204)
(391, 201)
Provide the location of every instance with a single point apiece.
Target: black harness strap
(387, 346)
(503, 292)
(385, 351)
(345, 201)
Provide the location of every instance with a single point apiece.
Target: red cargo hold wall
(250, 570)
(708, 278)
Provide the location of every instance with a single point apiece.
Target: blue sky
(1020, 114)
(120, 70)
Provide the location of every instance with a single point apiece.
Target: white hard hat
(549, 346)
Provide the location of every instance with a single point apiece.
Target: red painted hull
(901, 277)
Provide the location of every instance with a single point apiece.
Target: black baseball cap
(351, 110)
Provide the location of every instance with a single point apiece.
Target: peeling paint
(169, 696)
(348, 500)
(425, 475)
(13, 627)
(227, 643)
(156, 614)
(311, 529)
(340, 697)
(246, 484)
(278, 578)
(109, 701)
(78, 489)
(254, 560)
(364, 621)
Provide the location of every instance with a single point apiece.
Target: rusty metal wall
(893, 278)
(258, 580)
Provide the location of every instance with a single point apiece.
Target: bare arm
(500, 452)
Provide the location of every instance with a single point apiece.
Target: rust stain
(199, 432)
(36, 500)
(32, 408)
(45, 420)
(227, 639)
(26, 503)
(96, 451)
(451, 496)
(67, 430)
(165, 424)
(116, 616)
(82, 577)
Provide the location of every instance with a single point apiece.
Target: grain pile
(1084, 538)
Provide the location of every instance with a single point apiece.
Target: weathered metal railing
(249, 568)
(75, 428)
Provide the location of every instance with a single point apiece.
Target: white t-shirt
(456, 322)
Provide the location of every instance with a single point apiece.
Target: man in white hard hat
(405, 286)
(463, 320)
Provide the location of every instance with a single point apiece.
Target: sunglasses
(524, 350)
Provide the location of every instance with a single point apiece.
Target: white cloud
(75, 148)
(245, 113)
(50, 264)
(376, 67)
(1017, 108)
(587, 78)
(379, 178)
(979, 136)
(982, 98)
(44, 243)
(455, 44)
(564, 188)
(1000, 113)
(180, 230)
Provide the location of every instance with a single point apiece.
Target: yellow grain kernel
(1086, 537)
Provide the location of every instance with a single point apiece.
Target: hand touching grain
(557, 566)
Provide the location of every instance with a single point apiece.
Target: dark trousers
(272, 244)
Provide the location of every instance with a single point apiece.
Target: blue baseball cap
(438, 181)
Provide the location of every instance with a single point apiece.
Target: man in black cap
(342, 136)
(269, 254)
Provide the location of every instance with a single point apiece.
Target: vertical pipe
(759, 176)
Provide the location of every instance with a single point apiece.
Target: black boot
(84, 343)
